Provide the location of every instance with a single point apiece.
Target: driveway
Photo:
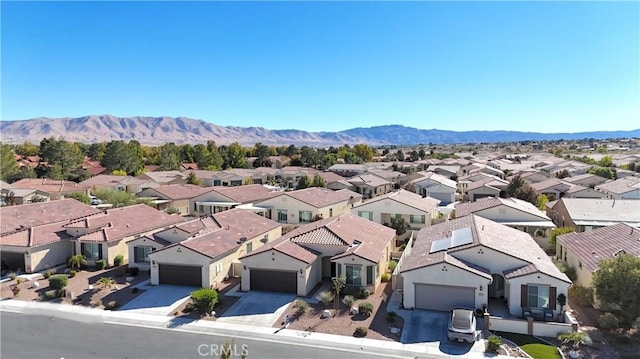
(258, 308)
(159, 300)
(430, 327)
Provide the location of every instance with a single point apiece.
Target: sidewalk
(295, 337)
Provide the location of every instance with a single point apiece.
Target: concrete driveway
(429, 327)
(258, 308)
(159, 300)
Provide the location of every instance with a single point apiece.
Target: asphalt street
(37, 336)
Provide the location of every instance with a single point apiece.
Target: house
(586, 180)
(209, 256)
(370, 186)
(14, 196)
(342, 245)
(433, 185)
(555, 188)
(177, 197)
(448, 171)
(487, 187)
(470, 260)
(417, 211)
(623, 188)
(511, 212)
(532, 177)
(33, 237)
(105, 235)
(165, 178)
(348, 169)
(584, 251)
(56, 189)
(585, 214)
(117, 183)
(305, 205)
(223, 198)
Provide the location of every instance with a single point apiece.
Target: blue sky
(328, 66)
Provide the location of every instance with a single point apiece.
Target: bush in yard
(189, 308)
(101, 264)
(607, 321)
(391, 317)
(573, 338)
(581, 295)
(118, 260)
(47, 274)
(348, 300)
(301, 306)
(385, 277)
(204, 300)
(392, 264)
(134, 271)
(19, 280)
(76, 261)
(365, 293)
(326, 297)
(58, 281)
(353, 291)
(493, 344)
(112, 305)
(360, 332)
(50, 294)
(72, 273)
(105, 282)
(365, 308)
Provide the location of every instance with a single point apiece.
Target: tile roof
(426, 204)
(467, 208)
(118, 223)
(318, 197)
(286, 247)
(584, 176)
(37, 214)
(435, 178)
(369, 180)
(51, 186)
(601, 243)
(180, 191)
(485, 233)
(552, 183)
(111, 180)
(246, 194)
(620, 186)
(330, 177)
(602, 210)
(36, 236)
(165, 176)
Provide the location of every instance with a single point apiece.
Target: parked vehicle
(95, 200)
(462, 326)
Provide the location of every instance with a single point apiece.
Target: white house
(433, 185)
(623, 188)
(417, 211)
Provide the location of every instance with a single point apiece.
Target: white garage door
(444, 297)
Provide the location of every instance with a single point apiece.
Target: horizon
(537, 67)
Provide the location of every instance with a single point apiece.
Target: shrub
(607, 321)
(573, 338)
(353, 291)
(50, 294)
(391, 317)
(105, 282)
(301, 306)
(12, 275)
(76, 261)
(47, 274)
(493, 344)
(19, 280)
(101, 264)
(348, 300)
(365, 308)
(360, 332)
(189, 308)
(112, 304)
(204, 300)
(134, 271)
(118, 260)
(385, 277)
(365, 293)
(392, 264)
(581, 295)
(61, 292)
(571, 273)
(58, 281)
(326, 297)
(72, 273)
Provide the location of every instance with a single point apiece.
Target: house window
(249, 247)
(305, 216)
(282, 215)
(365, 214)
(370, 275)
(218, 268)
(339, 269)
(92, 251)
(354, 275)
(416, 219)
(538, 296)
(141, 254)
(217, 182)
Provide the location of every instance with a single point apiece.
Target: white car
(95, 200)
(462, 326)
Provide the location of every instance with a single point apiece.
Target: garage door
(180, 275)
(443, 297)
(274, 281)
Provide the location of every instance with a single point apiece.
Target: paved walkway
(257, 308)
(239, 331)
(158, 300)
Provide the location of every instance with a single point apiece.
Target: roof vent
(243, 239)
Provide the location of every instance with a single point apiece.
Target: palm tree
(76, 261)
(106, 282)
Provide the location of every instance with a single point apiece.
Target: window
(141, 254)
(249, 247)
(282, 215)
(218, 268)
(416, 219)
(305, 216)
(538, 296)
(339, 269)
(370, 275)
(217, 182)
(92, 251)
(365, 214)
(354, 275)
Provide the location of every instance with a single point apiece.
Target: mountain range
(159, 130)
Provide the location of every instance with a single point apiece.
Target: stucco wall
(48, 256)
(584, 275)
(179, 255)
(116, 248)
(495, 261)
(293, 207)
(140, 242)
(514, 289)
(274, 260)
(388, 206)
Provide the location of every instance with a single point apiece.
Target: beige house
(305, 205)
(369, 185)
(165, 178)
(416, 211)
(343, 245)
(33, 237)
(177, 197)
(117, 183)
(224, 198)
(105, 235)
(585, 214)
(56, 189)
(430, 184)
(487, 187)
(15, 196)
(209, 253)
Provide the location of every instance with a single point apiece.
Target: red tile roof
(51, 186)
(37, 214)
(246, 194)
(180, 191)
(318, 197)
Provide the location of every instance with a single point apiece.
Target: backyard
(535, 347)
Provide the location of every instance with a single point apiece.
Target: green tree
(97, 150)
(262, 152)
(8, 163)
(193, 179)
(563, 174)
(605, 172)
(216, 157)
(115, 197)
(204, 300)
(27, 149)
(338, 283)
(558, 232)
(542, 202)
(515, 183)
(304, 182)
(617, 282)
(63, 157)
(318, 181)
(120, 156)
(187, 153)
(169, 157)
(202, 156)
(233, 156)
(422, 154)
(119, 173)
(79, 196)
(365, 152)
(399, 155)
(606, 161)
(399, 224)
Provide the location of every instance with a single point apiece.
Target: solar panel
(460, 237)
(440, 245)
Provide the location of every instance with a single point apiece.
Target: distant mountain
(159, 130)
